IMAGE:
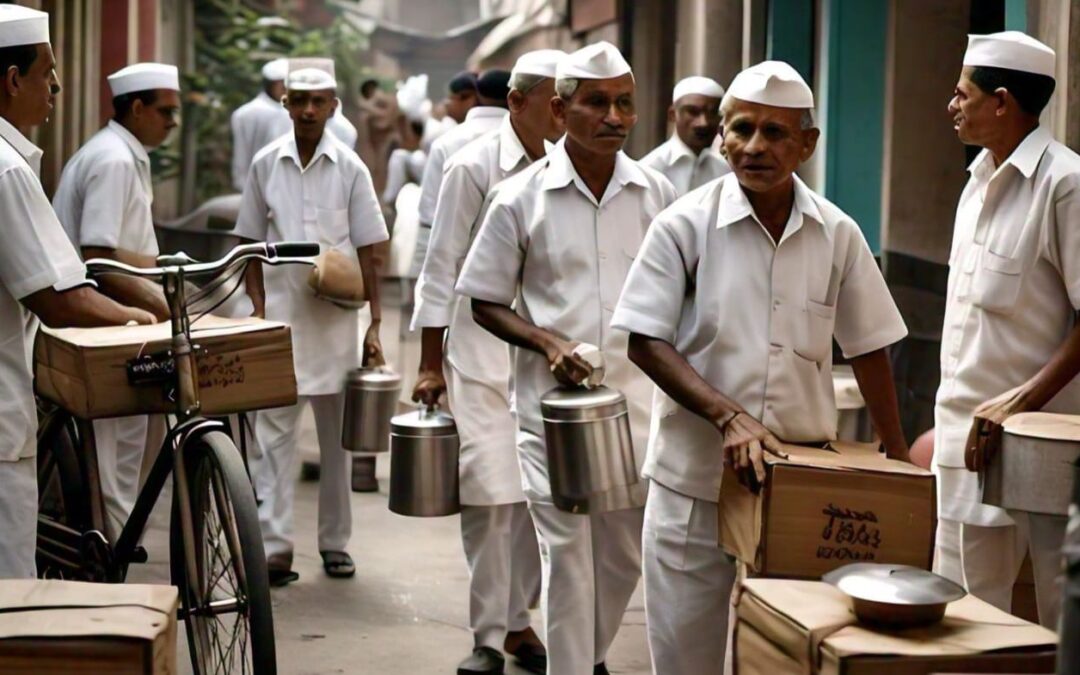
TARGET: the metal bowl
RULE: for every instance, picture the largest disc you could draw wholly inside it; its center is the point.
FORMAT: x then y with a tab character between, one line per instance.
895	596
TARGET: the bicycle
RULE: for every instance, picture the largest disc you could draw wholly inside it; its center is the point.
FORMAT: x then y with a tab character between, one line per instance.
216	555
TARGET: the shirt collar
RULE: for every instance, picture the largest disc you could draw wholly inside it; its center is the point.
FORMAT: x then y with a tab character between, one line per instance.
734	206
29	152
1025	158
680	149
485	112
561	172
511	150
325	148
137	148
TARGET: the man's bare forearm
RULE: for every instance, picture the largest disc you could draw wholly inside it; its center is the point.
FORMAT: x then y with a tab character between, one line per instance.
431	348
81	307
120	255
1060	370
671	372
370	273
505	324
873	372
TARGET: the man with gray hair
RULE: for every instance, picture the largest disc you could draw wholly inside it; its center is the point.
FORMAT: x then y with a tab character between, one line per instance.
496	529
557	243
732	306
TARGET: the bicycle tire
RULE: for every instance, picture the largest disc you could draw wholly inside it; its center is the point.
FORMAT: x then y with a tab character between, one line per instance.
58	459
220	491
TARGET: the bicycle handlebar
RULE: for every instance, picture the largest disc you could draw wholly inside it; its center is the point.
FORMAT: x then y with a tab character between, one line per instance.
281	253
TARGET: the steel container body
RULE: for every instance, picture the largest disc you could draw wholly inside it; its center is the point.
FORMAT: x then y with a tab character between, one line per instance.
371	396
424	464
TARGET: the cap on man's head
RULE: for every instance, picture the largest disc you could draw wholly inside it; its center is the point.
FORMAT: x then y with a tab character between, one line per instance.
772	83
311	74
541	62
598	61
1012	50
494	85
275	70
22	26
144	77
696	84
463	81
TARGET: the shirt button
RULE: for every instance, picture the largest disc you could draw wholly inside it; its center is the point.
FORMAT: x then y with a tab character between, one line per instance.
602	256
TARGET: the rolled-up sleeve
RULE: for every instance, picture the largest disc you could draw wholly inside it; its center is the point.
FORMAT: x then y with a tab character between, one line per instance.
1064	236
867	318
366	223
493	266
461	200
652	298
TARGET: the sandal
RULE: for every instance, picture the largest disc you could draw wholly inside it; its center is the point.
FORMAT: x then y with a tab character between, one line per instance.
279	570
338	564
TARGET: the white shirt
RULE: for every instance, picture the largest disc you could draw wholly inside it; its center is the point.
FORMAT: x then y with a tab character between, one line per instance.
1014	283
341	127
478	121
754	318
547	243
35	255
683	168
331	201
105	193
254	125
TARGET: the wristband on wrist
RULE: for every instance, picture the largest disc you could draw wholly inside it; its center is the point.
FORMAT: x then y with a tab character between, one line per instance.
724	420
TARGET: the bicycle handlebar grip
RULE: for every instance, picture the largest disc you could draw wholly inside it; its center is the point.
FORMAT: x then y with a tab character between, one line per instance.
293	249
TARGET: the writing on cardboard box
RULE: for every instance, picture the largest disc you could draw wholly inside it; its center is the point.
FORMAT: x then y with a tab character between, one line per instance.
849	535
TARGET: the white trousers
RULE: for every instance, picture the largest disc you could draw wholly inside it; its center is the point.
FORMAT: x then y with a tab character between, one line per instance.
18	518
120	444
591	565
988	559
276	474
504	570
688	582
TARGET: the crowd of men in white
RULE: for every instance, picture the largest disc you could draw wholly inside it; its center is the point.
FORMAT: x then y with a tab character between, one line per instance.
712	280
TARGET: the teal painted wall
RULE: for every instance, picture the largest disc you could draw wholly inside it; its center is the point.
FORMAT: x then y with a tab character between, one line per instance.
790	35
856	109
1016	15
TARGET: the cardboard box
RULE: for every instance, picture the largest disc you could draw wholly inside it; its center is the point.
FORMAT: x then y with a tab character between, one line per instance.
808	628
1032	470
244	364
824	508
53	627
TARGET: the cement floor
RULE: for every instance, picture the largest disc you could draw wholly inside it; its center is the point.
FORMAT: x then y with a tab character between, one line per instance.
405	612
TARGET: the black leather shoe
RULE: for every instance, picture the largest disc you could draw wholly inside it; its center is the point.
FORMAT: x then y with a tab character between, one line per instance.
600	669
482	661
363	475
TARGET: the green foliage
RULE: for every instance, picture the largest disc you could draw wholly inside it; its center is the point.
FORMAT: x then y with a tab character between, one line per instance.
232	43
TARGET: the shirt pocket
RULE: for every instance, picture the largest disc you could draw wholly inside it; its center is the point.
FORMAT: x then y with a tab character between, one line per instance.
332	229
997	283
814	339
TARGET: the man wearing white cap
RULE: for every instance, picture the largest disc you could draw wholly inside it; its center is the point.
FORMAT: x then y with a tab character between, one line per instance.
41	275
1010	342
558	239
259	121
732	307
496	528
308	185
492	89
688	158
103	202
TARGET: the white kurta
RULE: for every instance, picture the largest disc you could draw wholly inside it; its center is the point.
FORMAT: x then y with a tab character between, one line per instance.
1014	284
331	201
104	199
754	318
479	121
549	244
35	255
254	126
480	361
685	169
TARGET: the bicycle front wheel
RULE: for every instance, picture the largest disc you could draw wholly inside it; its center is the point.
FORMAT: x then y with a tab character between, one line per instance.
222	577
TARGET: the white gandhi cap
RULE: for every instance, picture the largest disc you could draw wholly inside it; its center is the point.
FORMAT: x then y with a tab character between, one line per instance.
598	61
696	84
275	70
144	77
311	75
22	26
542	62
1013	50
772	83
